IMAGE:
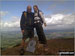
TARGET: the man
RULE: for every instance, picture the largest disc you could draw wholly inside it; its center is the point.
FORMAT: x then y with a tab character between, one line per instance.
38	22
26	24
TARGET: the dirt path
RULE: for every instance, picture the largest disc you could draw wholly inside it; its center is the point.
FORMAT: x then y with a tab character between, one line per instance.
54	45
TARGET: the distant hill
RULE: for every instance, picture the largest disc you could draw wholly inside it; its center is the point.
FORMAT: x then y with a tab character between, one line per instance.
60	30
46	31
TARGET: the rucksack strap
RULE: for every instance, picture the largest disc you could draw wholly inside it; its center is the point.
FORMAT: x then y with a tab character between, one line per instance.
25	14
40	16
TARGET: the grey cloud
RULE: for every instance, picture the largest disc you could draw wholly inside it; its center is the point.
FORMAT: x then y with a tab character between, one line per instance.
66	22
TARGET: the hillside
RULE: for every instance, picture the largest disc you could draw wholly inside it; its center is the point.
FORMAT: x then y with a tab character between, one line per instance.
54	45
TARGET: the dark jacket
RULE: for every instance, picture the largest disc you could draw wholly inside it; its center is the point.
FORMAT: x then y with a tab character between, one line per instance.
27	20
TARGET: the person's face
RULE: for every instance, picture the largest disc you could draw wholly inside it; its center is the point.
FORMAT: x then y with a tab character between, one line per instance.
35	9
29	9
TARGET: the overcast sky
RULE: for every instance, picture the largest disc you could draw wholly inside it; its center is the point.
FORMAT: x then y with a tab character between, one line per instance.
58	14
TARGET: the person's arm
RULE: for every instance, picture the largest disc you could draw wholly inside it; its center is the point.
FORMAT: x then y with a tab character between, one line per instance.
21	23
42	16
